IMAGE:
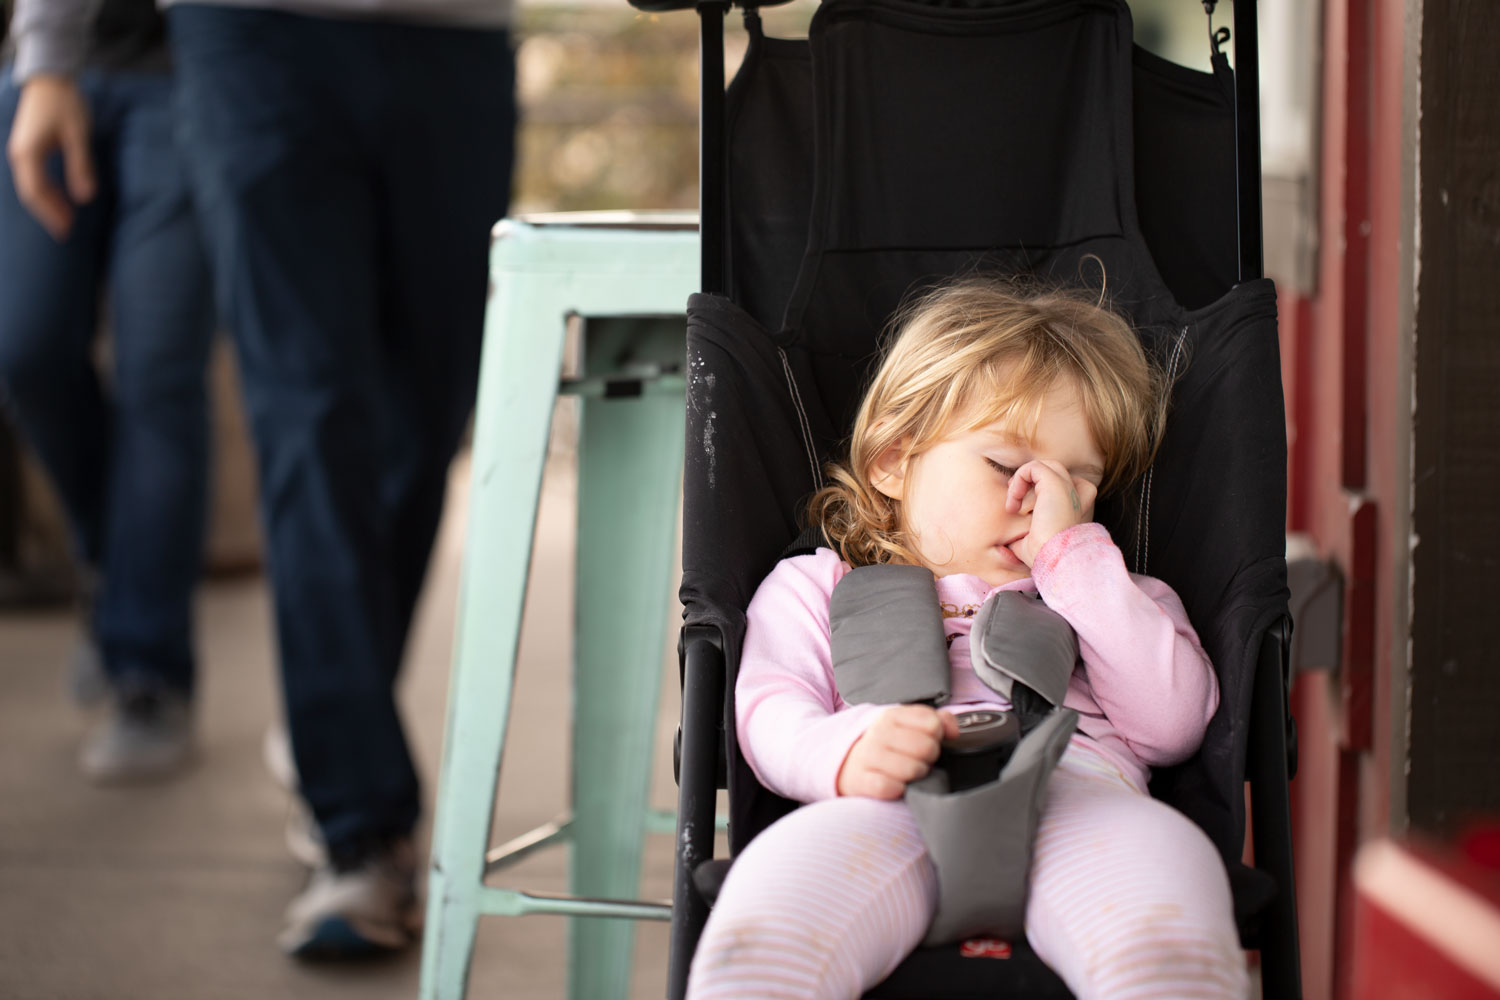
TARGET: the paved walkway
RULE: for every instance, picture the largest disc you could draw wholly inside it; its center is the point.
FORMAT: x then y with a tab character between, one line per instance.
175	892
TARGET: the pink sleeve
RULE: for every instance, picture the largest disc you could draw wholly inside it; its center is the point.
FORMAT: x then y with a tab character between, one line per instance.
793	728
1143	661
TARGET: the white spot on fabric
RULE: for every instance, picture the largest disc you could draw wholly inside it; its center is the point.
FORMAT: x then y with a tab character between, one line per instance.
708	446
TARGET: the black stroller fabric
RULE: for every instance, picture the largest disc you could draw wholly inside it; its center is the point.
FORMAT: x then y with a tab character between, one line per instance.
1016	138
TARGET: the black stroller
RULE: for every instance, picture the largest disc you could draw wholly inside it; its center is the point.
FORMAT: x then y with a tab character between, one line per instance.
905	141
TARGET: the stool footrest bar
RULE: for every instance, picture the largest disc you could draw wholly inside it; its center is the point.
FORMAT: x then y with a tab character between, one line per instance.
502	856
513	903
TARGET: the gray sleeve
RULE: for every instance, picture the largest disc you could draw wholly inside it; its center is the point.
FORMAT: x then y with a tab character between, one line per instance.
51	36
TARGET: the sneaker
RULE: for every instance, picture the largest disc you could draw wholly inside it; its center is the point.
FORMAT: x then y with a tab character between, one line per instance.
304	838
87	683
147	735
367	909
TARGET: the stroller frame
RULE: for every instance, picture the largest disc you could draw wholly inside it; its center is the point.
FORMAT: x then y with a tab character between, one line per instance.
701	750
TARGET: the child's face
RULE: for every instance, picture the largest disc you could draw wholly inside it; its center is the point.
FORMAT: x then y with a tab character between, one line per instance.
953	496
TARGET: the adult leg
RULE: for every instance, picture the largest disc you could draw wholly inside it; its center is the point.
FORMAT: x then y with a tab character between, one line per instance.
162	324
823	904
48	317
447	135
269	107
1129	899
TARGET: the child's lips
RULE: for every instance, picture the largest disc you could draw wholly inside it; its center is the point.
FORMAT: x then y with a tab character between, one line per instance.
1008	554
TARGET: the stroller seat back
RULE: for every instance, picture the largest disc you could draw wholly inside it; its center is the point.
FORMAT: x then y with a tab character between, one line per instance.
956	139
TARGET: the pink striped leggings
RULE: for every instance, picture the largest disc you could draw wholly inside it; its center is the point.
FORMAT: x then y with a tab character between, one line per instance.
1128	899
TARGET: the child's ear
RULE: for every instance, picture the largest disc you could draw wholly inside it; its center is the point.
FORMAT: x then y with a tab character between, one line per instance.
888	471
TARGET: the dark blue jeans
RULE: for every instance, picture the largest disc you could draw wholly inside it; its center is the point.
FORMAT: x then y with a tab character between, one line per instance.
348	174
129	454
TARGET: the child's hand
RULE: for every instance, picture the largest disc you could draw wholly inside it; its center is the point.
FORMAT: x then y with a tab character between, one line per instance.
898	748
1058	501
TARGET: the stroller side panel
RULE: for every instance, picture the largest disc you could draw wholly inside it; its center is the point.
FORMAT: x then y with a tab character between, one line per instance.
1185	175
769	106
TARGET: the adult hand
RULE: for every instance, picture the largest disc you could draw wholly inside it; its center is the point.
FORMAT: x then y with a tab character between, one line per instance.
51	115
1058	501
897	749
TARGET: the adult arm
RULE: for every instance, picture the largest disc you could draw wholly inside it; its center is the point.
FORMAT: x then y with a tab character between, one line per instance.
51	37
1144	664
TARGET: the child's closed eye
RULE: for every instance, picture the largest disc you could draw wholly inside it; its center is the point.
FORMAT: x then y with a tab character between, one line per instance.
1005	470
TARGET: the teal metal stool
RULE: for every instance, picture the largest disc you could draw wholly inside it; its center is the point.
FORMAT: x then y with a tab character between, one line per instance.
629	277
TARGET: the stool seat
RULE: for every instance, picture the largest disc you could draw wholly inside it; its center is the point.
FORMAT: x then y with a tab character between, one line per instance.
627	276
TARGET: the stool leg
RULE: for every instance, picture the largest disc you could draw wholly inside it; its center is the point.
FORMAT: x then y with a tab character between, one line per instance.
517	389
630	474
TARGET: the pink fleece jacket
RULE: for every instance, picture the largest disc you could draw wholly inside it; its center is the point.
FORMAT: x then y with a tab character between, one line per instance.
1144	691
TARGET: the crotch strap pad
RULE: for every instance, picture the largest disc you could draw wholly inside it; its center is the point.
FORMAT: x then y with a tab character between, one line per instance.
980	839
888	646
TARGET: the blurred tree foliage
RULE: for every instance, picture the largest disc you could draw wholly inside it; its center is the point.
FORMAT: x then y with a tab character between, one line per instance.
609	103
609	109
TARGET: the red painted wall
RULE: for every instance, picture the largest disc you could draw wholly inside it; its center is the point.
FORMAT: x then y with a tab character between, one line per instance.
1342	356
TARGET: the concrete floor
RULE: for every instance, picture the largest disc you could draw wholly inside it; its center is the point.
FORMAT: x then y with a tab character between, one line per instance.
176	890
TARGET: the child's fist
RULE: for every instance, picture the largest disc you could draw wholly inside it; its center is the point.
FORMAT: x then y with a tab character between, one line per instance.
897	749
1057	502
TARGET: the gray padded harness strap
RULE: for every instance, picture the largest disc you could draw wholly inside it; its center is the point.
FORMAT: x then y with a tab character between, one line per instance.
884	615
1016	637
888	646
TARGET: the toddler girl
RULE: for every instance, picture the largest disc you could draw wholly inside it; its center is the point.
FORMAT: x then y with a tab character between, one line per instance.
993	422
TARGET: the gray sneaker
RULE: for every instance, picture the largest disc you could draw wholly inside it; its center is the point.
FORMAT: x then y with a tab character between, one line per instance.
87	683
147	735
364	910
303	837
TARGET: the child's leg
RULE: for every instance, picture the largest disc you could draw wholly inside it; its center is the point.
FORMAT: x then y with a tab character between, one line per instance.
824	903
1129	898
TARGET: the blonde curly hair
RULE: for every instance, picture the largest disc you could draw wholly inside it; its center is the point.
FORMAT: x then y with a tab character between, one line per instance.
978	350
